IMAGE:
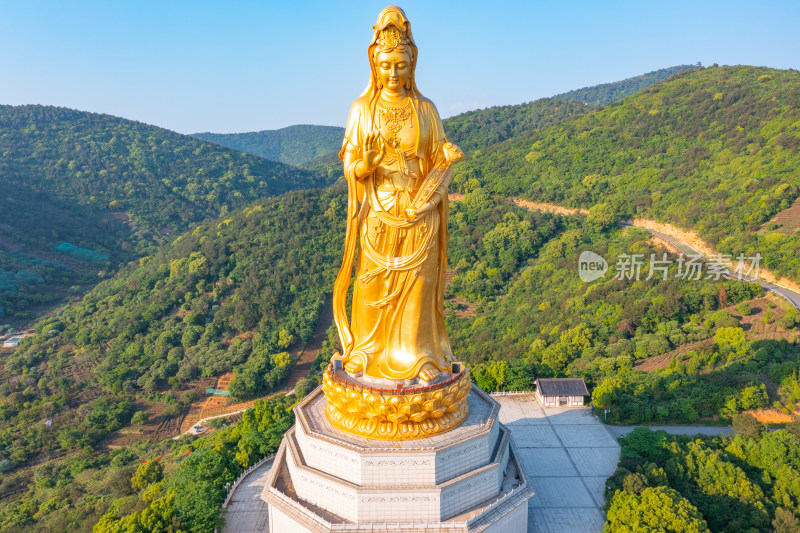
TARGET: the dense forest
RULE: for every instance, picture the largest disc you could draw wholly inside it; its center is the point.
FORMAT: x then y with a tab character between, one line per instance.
749	482
172	486
715	150
84	192
292	145
233	293
605	93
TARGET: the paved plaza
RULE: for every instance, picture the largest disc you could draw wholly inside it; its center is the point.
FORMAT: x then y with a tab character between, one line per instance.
568	454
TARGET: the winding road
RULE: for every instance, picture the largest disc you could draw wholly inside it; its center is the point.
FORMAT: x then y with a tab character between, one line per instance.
791	295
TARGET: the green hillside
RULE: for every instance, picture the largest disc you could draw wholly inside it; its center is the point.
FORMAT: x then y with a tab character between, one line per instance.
292	145
233	293
606	93
478	129
236	292
165	487
533	316
82	193
714	150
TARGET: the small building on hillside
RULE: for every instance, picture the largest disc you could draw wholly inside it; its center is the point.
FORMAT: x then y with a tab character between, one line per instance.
12	342
561	391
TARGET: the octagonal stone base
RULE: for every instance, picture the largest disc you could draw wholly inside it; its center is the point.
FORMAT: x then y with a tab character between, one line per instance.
468	479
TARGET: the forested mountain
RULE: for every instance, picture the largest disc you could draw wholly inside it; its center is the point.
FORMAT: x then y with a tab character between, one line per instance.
292	145
233	292
83	192
715	150
478	129
606	93
536	317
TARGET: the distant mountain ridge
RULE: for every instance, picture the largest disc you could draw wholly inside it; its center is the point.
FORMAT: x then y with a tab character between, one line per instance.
310	146
112	186
605	93
292	145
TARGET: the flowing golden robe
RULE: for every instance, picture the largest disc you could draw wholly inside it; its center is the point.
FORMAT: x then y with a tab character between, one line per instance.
397	309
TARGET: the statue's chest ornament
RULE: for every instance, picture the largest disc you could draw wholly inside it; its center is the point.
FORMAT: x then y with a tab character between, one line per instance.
395	118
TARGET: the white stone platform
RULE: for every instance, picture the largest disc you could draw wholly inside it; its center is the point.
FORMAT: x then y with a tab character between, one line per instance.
468	479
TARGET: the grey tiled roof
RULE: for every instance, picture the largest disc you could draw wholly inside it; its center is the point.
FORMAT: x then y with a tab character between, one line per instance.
562	387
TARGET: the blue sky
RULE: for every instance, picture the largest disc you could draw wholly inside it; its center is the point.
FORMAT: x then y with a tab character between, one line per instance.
230	66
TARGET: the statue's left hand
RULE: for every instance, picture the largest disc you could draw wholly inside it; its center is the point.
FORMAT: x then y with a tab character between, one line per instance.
413	214
453	153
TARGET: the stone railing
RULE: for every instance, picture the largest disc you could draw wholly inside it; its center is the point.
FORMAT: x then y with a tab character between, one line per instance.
243	475
308	513
496	505
395	526
511	392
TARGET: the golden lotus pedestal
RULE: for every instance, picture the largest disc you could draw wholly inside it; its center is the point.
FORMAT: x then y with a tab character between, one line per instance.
400	413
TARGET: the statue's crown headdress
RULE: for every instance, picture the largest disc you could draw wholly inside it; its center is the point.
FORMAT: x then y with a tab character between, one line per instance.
391	38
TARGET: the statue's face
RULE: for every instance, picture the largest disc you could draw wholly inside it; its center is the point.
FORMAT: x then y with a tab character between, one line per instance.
394	69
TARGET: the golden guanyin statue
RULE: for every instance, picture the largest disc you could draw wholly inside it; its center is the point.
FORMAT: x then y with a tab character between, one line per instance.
396	161
397	165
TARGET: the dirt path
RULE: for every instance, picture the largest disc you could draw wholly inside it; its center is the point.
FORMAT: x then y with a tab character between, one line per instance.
209	406
235	410
307	354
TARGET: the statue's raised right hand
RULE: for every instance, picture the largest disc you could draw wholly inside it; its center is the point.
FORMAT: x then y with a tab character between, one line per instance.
373	152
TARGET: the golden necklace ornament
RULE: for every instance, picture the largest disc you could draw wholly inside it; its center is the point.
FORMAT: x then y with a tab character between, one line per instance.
394	118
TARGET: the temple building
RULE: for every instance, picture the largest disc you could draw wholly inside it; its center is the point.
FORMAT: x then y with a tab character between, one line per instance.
561	391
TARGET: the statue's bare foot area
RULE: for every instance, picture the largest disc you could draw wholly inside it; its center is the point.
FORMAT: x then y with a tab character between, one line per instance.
354	365
428	372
